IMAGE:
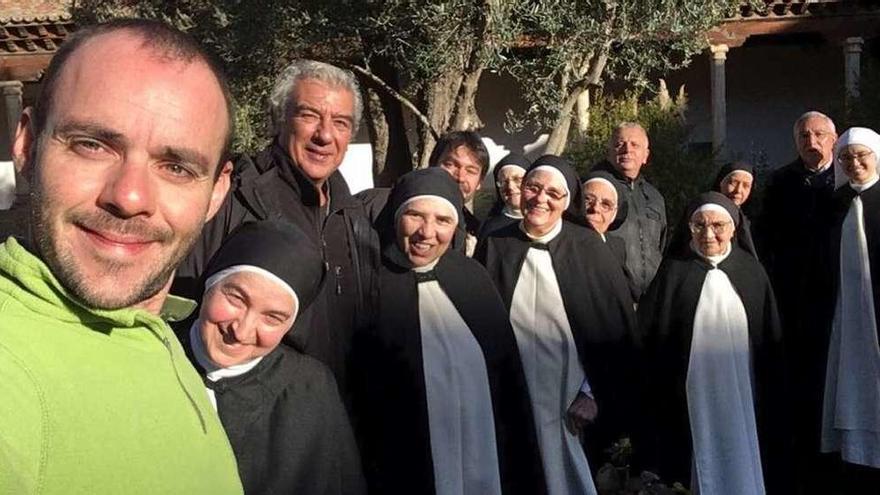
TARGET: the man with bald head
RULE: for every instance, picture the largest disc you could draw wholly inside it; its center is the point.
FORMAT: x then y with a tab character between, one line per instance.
792	244
125	151
644	230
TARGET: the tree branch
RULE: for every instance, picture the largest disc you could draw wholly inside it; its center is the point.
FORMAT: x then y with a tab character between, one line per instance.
397	96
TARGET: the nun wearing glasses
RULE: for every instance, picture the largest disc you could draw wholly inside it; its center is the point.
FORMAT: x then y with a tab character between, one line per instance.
280	408
441	405
714	362
851	411
571	310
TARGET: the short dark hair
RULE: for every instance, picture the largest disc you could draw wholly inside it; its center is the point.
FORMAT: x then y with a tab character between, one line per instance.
165	40
470	140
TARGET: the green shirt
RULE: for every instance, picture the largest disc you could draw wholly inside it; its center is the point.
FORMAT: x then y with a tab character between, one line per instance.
99	401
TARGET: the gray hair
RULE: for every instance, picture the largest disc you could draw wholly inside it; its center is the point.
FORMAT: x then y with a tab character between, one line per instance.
625	125
812	114
298	70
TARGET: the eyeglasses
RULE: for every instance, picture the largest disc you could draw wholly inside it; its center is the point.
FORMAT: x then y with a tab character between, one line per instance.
717	227
851	157
605	205
514	181
535	189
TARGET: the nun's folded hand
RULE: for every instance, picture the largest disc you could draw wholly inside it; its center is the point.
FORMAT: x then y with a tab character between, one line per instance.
582	411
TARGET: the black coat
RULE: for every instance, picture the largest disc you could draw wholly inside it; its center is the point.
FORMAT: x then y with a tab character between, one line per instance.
666	320
494	222
288	428
644	231
598	304
792	239
271	187
391	406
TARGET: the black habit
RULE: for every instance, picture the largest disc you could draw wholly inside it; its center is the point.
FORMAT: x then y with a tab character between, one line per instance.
843	198
288	428
391	405
392	410
666	317
744	228
496	218
598	305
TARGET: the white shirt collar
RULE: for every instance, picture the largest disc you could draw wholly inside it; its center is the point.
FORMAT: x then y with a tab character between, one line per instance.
821	168
861	187
714	260
546	238
511	213
212	371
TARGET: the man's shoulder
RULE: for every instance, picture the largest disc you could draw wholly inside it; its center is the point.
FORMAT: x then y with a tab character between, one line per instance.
374	200
791	171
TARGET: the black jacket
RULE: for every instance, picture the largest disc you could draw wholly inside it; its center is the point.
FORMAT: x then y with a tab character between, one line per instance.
269	186
644	230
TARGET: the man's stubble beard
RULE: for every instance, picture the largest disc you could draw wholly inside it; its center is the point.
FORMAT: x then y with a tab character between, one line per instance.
64	267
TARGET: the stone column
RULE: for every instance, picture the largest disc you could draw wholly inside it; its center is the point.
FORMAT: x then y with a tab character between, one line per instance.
852	52
11	94
11	91
719	96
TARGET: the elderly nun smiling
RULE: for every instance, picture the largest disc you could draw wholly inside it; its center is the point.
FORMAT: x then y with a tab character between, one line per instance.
443	406
281	409
714	362
571	311
851	415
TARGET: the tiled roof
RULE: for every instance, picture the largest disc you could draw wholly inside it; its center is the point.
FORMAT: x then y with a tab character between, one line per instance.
33	11
805	8
32	26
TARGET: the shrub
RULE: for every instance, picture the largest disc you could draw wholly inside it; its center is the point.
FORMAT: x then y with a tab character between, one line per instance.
677	169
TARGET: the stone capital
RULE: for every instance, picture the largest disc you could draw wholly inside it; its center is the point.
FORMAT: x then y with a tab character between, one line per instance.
719	52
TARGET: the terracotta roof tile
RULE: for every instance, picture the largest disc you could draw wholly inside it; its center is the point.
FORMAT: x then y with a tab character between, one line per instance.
33	11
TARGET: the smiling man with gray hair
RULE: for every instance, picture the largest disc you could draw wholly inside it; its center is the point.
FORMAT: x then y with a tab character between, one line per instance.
315	109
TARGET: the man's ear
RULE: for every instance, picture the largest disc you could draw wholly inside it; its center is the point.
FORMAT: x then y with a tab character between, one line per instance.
24	143
221	188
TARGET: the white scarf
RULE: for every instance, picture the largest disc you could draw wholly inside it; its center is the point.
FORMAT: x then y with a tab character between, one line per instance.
719	392
460	419
851	409
554	374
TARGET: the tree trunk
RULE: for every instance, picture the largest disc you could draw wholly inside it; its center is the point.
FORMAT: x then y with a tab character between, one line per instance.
396	159
439	101
559	135
583	112
377	127
465	117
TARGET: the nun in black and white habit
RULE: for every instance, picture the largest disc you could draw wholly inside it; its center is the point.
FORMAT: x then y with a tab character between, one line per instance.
505	210
443	407
281	409
571	311
851	412
715	376
731	181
